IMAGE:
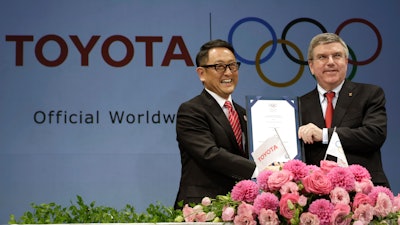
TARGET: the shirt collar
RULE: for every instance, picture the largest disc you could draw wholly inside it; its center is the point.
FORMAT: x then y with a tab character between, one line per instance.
221	101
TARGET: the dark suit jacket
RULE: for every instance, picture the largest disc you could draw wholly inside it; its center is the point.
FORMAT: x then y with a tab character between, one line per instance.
212	161
360	121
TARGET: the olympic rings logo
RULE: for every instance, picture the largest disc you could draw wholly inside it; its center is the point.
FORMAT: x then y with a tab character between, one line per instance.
300	58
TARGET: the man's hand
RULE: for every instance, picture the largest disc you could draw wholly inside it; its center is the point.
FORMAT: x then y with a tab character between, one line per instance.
310	133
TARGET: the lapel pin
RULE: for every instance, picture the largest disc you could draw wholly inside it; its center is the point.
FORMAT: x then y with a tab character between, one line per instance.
350	94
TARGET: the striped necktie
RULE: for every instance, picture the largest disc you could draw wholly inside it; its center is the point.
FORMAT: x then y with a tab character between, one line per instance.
234	121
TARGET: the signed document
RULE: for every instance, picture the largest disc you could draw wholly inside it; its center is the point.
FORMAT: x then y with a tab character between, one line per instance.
272	126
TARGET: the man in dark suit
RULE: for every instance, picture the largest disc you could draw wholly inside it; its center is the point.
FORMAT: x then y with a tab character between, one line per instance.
212	158
359	110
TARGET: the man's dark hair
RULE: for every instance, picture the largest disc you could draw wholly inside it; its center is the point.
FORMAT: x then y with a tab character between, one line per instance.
202	56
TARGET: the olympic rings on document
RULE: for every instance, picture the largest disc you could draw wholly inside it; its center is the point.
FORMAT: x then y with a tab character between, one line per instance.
276	84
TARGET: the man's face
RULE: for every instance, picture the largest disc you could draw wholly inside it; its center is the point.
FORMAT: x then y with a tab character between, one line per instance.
329	65
221	83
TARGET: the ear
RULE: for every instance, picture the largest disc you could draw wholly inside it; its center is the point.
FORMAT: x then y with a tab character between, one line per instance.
310	66
201	73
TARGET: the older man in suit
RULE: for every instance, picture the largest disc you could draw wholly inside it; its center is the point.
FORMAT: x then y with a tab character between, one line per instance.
359	114
214	155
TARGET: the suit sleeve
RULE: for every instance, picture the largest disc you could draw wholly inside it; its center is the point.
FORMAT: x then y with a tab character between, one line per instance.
203	138
365	124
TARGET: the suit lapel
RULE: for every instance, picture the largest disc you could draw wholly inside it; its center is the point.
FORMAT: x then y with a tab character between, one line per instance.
343	102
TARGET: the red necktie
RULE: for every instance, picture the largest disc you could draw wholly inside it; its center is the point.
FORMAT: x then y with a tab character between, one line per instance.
329	108
234	121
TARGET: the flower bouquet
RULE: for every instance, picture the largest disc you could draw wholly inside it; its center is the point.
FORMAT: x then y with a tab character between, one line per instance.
297	193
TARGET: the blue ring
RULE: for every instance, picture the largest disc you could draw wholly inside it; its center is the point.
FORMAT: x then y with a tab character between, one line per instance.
263	22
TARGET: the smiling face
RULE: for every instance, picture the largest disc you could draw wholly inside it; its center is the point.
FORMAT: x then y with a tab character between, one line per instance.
329	64
221	83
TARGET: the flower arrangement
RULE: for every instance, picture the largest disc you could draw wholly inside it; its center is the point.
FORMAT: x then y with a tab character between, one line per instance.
296	193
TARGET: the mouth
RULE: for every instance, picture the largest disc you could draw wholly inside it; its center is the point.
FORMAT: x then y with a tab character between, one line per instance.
226	81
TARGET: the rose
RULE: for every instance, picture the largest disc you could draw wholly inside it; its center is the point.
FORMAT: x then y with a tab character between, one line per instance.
228	214
317	183
286	205
278	179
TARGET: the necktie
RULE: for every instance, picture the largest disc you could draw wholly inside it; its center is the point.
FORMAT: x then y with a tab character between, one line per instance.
329	108
234	121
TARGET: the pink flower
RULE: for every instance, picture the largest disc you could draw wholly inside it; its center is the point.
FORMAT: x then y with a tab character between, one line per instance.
323	209
279	178
245	190
286	205
376	190
268	217
312	168
361	198
317	183
383	205
201	217
340	214
327	165
244	220
262	180
339	195
308	218
245	208
188	213
396	203
245	215
364	186
359	172
266	200
297	167
206	201
363	213
228	214
342	177
302	200
289	187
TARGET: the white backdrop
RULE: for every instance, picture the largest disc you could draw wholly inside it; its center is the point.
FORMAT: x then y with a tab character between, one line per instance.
93	58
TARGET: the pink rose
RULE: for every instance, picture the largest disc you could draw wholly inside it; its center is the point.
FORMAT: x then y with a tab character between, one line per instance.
383	205
286	205
268	217
308	218
277	179
228	214
364	213
360	199
188	213
327	165
340	215
289	187
396	203
339	195
317	183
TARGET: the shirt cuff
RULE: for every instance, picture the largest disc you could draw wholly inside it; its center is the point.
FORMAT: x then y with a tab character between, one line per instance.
325	138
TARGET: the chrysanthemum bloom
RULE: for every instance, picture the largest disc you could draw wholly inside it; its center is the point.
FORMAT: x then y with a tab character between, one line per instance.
279	178
317	183
297	167
245	190
308	218
376	190
266	200
323	209
359	172
339	195
262	180
268	217
342	177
